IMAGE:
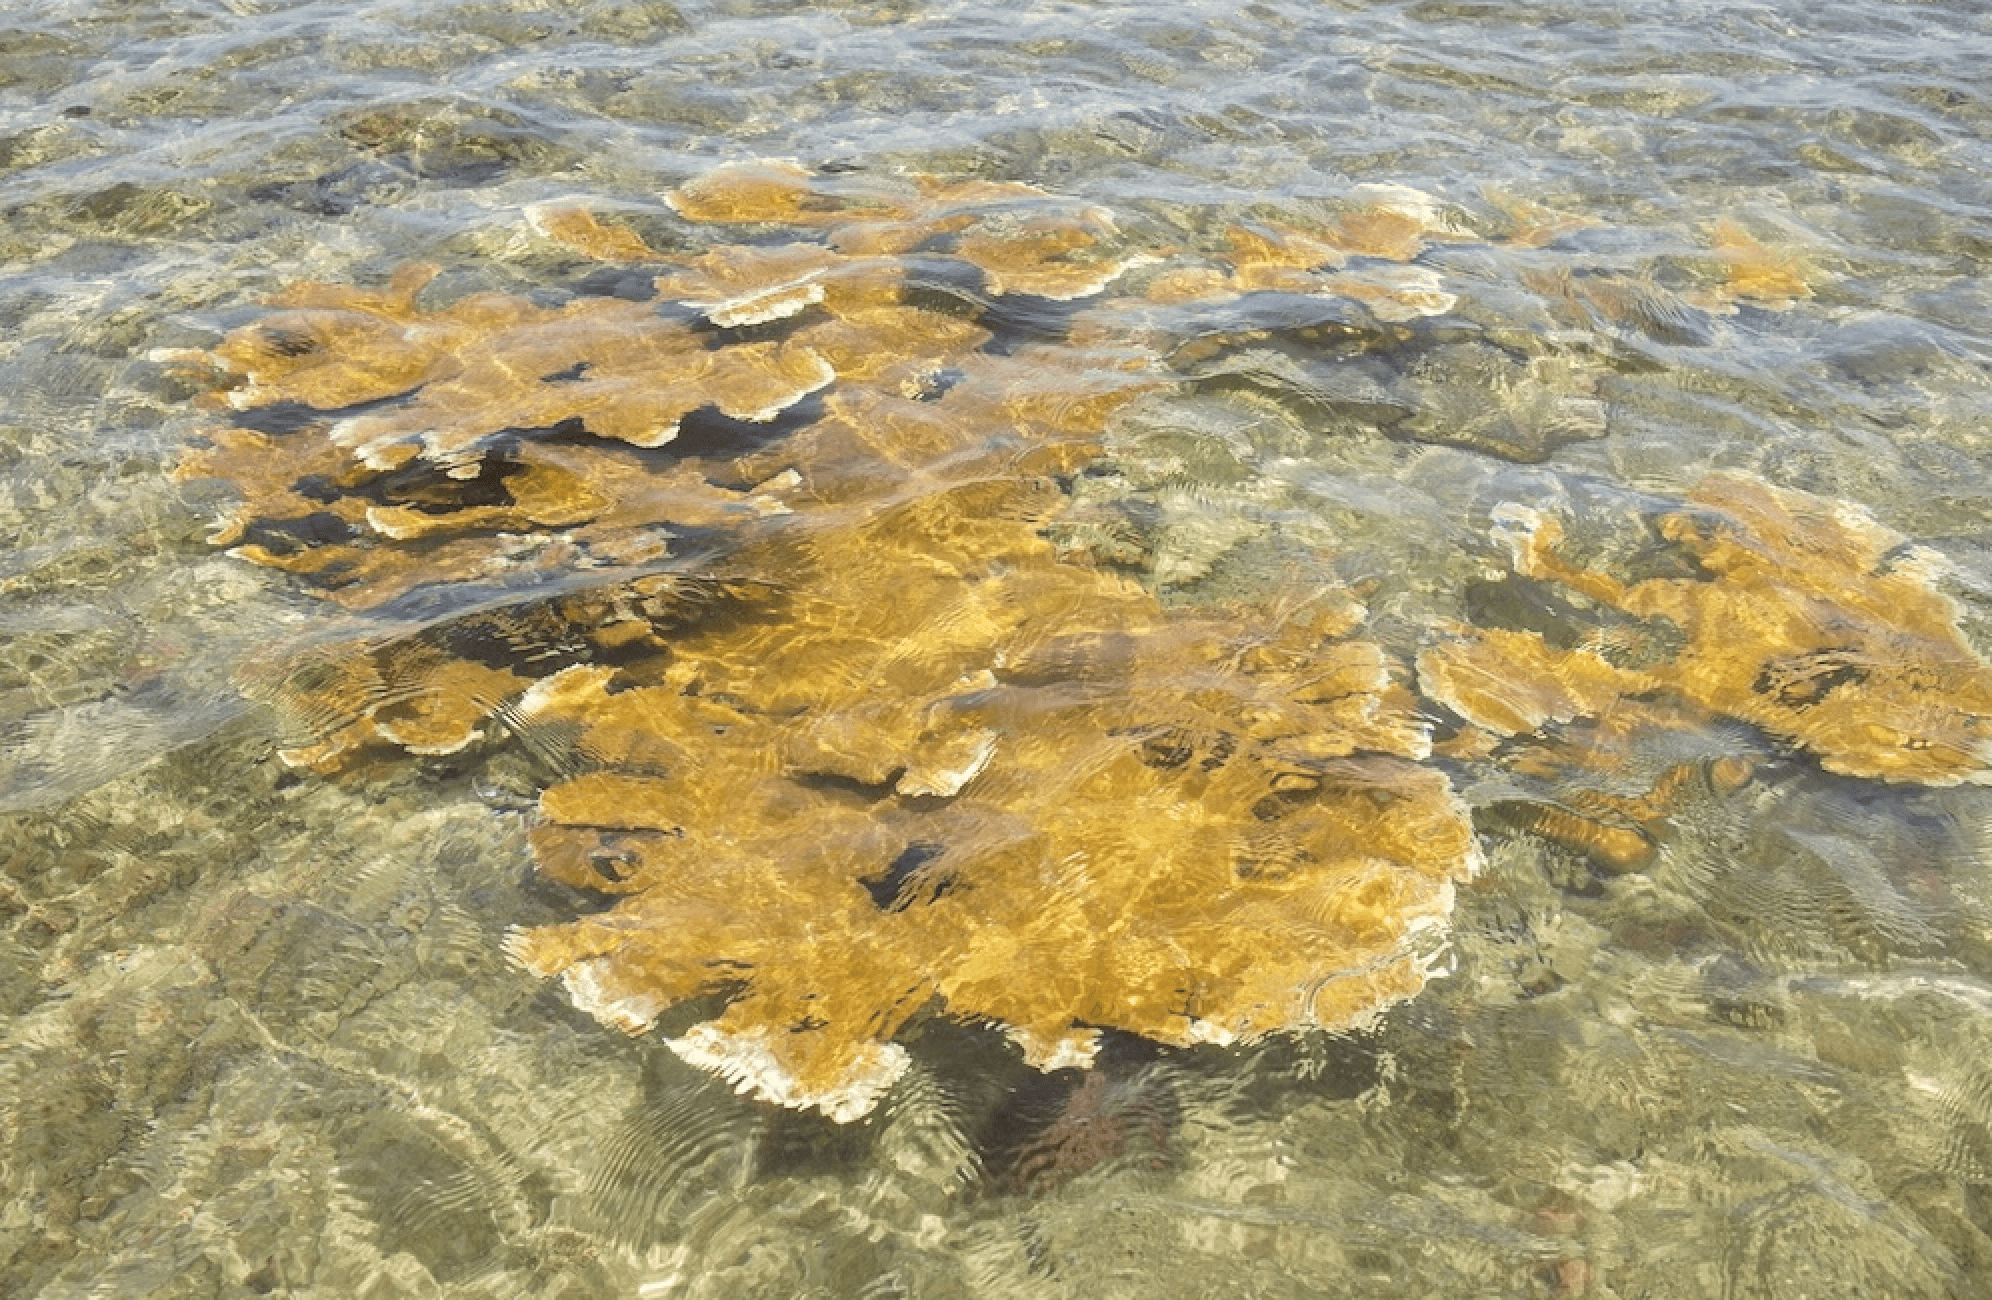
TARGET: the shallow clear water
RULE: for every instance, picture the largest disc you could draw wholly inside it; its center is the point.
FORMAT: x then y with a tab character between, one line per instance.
261	1037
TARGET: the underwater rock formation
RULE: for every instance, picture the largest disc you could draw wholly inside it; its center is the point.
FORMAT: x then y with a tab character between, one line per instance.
856	719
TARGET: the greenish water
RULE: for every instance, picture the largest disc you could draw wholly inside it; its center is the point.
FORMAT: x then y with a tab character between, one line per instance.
261	1038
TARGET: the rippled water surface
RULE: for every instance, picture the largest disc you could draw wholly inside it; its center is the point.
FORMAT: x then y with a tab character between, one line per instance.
261	1035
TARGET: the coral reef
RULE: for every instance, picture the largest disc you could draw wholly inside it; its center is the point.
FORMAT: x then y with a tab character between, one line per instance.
855	717
844	732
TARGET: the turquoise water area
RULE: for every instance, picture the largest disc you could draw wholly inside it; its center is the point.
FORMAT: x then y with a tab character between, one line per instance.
260	1035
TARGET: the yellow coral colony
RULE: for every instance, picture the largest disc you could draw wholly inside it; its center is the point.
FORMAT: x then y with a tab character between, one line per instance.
844	734
1809	620
849	739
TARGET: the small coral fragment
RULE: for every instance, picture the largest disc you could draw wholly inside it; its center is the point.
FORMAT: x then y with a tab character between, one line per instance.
1054	257
413	694
613	367
1515	682
732	287
1265	254
1531	225
757	191
761	1061
897	348
1756	272
1398	293
579	229
1618	833
335	347
1389	221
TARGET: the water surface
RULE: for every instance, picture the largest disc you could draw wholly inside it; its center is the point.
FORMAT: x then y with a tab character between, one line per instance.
262	1038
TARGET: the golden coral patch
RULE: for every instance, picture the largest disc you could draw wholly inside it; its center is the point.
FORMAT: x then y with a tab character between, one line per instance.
1013	786
1808	620
613	367
1754	271
1394	222
751	286
1055	808
878	748
898	348
1530	224
763	573
338	347
776	192
1060	258
581	230
1513	682
1264	253
492	363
